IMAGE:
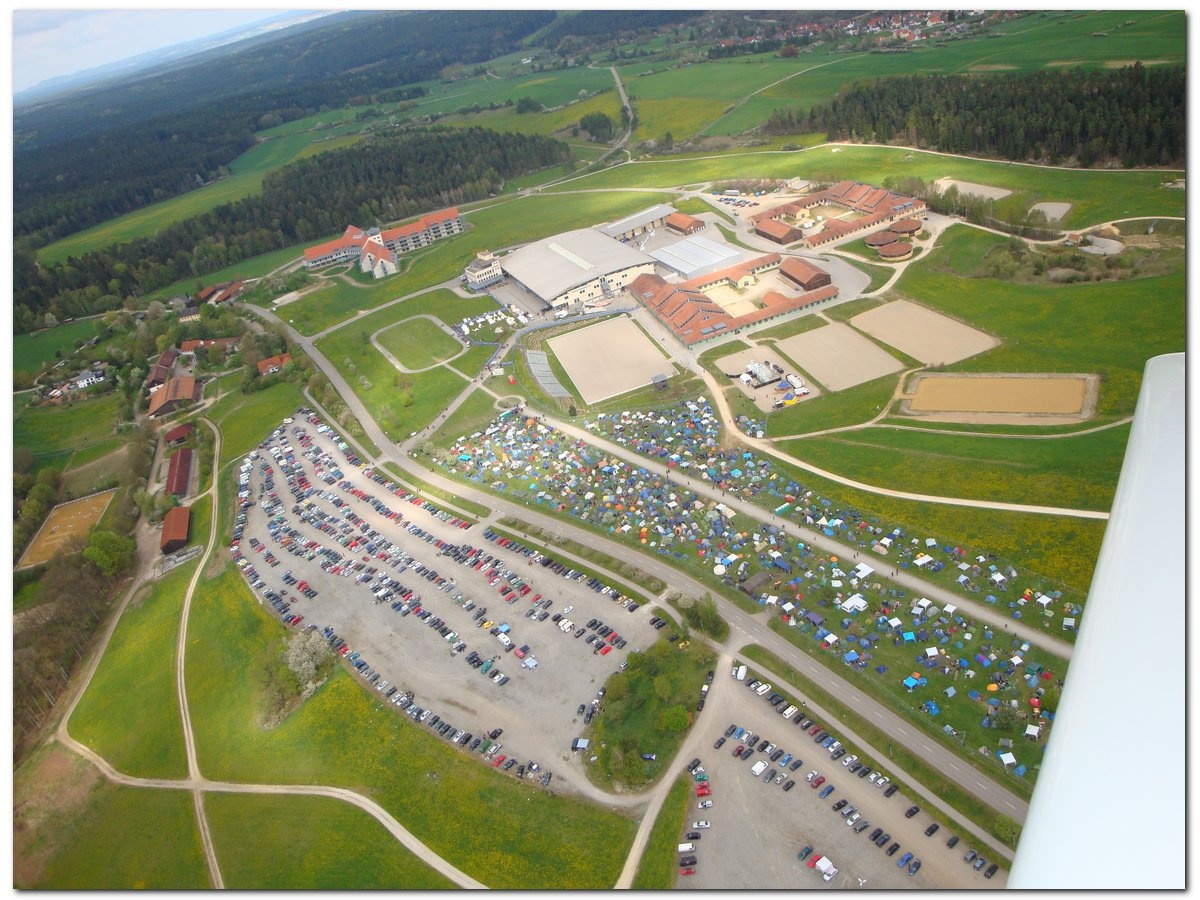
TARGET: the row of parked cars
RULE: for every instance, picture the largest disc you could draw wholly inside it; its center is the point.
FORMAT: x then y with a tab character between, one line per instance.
687	863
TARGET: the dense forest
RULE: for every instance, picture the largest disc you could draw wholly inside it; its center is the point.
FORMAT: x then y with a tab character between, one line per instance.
1133	116
392	176
100	153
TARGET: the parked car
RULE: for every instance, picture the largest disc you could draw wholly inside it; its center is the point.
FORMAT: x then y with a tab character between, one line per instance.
891	790
839	804
932	829
874	834
817	782
825	791
882	839
702	824
719	743
979	863
811	775
687	871
805	853
704	804
904	860
911	811
991	870
891	851
914	866
953	841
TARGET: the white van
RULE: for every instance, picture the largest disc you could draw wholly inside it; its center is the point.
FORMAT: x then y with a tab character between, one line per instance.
759	767
686	848
741	673
762	688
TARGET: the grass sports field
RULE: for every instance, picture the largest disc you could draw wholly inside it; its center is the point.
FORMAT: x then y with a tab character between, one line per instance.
344	736
418	343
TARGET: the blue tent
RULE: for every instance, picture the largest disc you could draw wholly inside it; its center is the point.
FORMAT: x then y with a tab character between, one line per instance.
910	682
950	692
881	669
909	637
850	656
1019	770
992	701
930	707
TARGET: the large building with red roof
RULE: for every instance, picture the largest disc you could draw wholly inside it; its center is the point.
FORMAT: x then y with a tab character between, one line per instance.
175	531
217	294
175	394
376	251
273	364
161	370
871	206
179	472
693	317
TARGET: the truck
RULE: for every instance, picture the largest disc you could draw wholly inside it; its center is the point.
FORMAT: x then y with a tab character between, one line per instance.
825	867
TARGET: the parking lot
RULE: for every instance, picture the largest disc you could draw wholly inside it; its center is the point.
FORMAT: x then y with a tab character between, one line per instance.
314	516
757	829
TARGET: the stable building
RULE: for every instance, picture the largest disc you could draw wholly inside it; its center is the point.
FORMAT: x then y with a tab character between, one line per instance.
897	251
179	473
682	223
176	528
779	232
179	434
161	370
638	224
804	274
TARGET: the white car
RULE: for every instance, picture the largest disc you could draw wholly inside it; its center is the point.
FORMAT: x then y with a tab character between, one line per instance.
759	767
567	610
704	804
882	781
702	824
847	761
811	775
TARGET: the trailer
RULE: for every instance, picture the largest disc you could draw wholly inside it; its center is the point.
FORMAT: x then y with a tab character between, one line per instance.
825	867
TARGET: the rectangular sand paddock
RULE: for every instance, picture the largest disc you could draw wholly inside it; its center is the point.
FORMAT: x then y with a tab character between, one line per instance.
65	521
610	358
839	357
923	334
999	394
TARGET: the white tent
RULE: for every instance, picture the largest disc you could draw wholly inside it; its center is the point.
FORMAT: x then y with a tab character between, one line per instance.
853	604
1008	759
1032	731
831	639
930	542
998	578
931	652
1043	601
949	609
922	560
895	623
862	570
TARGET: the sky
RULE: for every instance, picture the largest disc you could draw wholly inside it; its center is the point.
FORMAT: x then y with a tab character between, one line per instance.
50	42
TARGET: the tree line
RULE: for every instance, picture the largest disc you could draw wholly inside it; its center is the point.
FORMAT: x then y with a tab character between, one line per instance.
95	154
1133	116
392	176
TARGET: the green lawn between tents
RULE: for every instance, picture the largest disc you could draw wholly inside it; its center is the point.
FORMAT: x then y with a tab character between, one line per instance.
344	736
129	839
297	843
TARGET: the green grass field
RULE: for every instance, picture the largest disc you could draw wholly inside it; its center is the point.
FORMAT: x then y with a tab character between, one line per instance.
49	429
97	450
255	267
657	870
130	713
245	419
344	736
418	343
129	839
33	352
296	843
476	412
1076	471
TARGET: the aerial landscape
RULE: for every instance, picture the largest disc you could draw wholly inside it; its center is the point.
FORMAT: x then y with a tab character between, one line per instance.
779	365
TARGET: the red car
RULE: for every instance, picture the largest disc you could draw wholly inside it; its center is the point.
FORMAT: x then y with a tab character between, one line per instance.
703	790
817	782
812	863
605	649
499	759
687	871
737	751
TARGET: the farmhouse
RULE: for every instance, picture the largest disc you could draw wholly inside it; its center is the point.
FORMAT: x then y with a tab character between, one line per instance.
228	344
161	370
857	206
375	251
175	394
179	473
273	364
217	294
580	265
176	526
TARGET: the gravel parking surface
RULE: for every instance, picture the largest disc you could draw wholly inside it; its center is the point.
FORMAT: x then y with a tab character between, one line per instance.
758	829
536	708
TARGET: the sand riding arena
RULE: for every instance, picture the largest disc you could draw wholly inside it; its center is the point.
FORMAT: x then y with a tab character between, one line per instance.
991	399
67	520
